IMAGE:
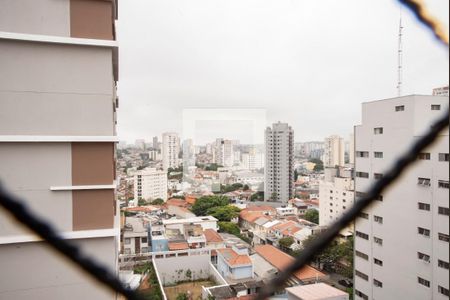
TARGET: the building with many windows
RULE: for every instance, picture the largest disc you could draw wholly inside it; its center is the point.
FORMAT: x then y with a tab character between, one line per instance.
170	149
402	241
57	142
279	166
150	184
334	151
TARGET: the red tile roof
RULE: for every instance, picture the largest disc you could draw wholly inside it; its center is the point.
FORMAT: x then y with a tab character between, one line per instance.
234	259
212	236
281	260
250	216
178	246
177	202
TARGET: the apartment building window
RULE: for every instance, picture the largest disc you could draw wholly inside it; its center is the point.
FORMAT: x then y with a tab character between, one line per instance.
127	251
378	241
144	249
442	290
361	295
127	241
362	255
443	184
444	157
362	235
423	281
378	154
443	264
362	174
435	107
443	211
361	275
423	231
424	156
362	154
378	219
377	175
377	261
377	283
443	237
424	206
378	130
424	181
364	215
423	256
400	108
144	240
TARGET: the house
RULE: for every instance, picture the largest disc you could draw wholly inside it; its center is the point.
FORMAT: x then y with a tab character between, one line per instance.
280	260
213	241
134	236
234	264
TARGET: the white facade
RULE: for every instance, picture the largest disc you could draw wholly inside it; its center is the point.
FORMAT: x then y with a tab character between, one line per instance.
223	152
170	150
402	242
334	154
336	195
253	160
279	166
150	184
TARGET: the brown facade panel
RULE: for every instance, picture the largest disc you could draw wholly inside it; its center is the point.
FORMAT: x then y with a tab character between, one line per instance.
92	163
92	209
92	19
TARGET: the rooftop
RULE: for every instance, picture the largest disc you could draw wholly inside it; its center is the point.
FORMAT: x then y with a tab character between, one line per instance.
316	291
234	259
212	236
281	260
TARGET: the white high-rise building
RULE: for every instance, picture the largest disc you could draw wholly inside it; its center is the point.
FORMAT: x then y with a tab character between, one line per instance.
279	166
334	154
253	160
223	152
170	150
351	150
402	241
336	195
150	184
441	91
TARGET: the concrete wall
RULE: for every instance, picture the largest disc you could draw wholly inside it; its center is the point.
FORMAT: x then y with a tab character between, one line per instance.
46	274
173	269
46	17
28	170
55	90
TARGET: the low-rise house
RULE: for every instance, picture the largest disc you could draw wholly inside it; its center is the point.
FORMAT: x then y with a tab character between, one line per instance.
280	260
207	222
286	211
234	264
158	239
134	236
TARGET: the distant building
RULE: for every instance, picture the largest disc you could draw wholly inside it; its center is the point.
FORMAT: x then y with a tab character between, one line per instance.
150	184
402	240
336	195
170	150
334	153
279	166
253	160
441	91
140	144
223	152
155	143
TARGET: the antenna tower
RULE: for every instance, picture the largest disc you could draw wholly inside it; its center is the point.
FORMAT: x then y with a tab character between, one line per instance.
400	58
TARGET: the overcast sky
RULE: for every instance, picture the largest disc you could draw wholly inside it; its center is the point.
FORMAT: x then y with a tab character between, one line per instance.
308	63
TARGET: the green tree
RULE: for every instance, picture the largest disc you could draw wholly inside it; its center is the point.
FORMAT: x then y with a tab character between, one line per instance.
229	227
319	164
258	196
201	206
212	167
224	213
245	187
295	175
157	201
312	215
182	296
286	242
142	202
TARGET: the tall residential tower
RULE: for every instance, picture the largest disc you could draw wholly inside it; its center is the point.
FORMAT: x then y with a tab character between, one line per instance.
170	150
279	166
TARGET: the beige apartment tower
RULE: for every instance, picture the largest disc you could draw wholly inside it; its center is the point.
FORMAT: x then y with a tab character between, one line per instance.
58	100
